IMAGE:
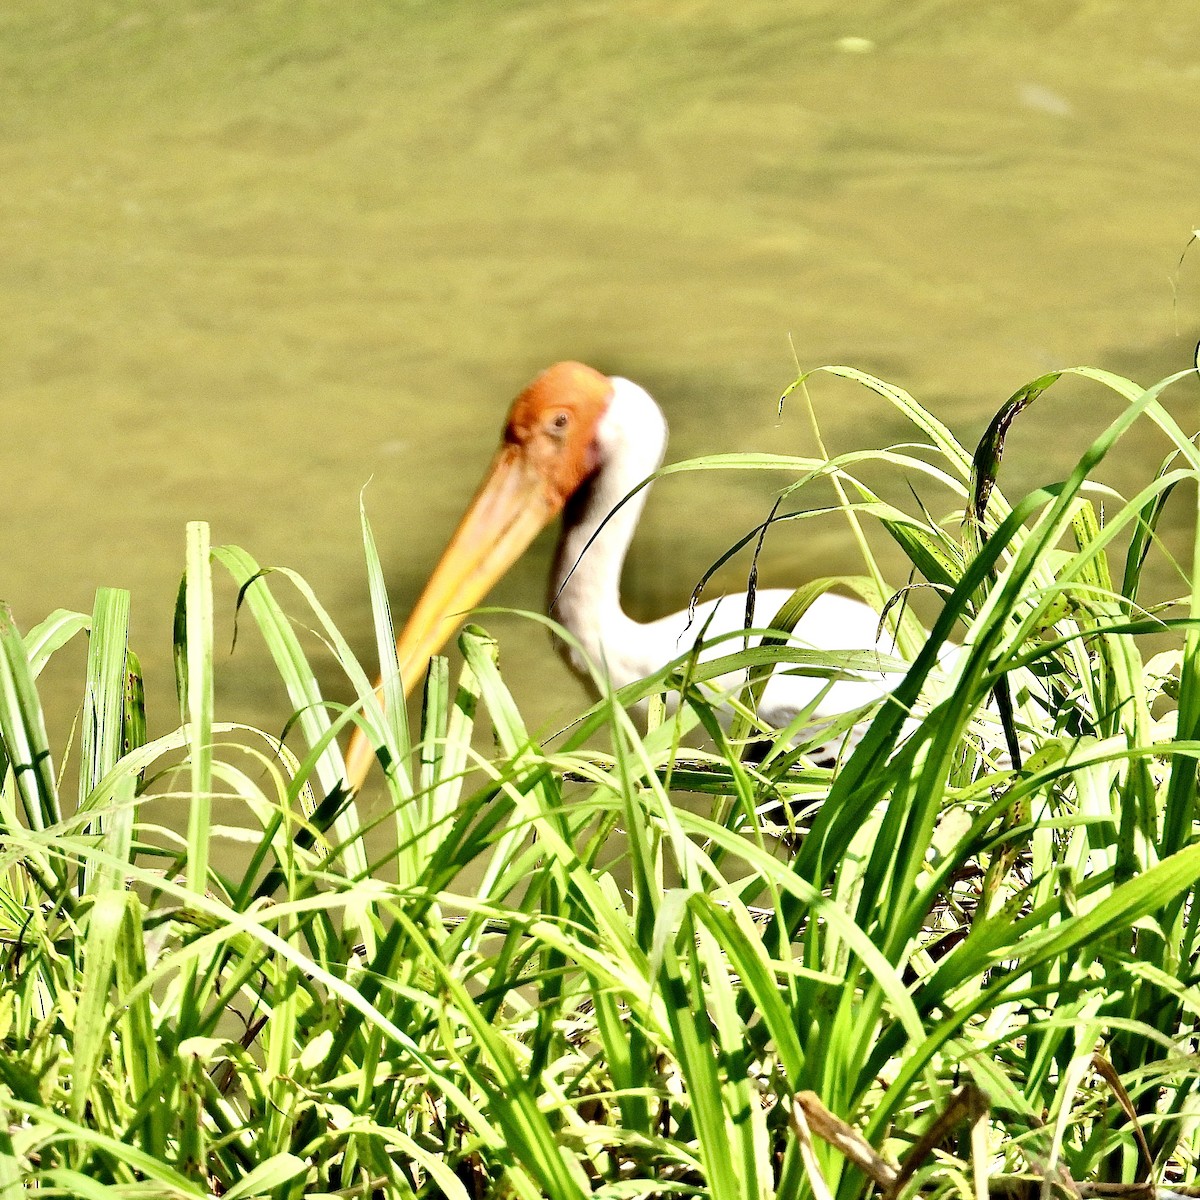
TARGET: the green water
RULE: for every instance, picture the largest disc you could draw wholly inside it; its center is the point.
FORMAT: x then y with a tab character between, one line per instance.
253	255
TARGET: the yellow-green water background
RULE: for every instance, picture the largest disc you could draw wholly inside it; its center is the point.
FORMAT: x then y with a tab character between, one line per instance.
254	254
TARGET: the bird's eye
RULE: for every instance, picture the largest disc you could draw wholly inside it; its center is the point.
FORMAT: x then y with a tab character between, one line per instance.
560	422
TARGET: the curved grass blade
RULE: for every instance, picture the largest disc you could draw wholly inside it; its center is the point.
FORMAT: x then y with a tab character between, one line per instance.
23	730
303	692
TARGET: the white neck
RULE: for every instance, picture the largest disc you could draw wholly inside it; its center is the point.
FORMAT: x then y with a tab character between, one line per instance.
585	585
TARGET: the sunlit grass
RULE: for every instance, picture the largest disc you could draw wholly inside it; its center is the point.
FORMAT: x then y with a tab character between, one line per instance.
604	964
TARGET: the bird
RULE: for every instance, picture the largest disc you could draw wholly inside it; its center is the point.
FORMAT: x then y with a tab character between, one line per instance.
579	442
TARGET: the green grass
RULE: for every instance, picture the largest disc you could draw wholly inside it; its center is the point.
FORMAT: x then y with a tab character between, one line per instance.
604	964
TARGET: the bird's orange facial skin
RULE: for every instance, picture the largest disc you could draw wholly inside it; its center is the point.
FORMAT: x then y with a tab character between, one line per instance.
554	421
549	450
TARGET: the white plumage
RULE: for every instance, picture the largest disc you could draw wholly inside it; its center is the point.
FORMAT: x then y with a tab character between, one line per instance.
631	439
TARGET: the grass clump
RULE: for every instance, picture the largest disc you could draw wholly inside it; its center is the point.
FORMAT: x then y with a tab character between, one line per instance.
969	968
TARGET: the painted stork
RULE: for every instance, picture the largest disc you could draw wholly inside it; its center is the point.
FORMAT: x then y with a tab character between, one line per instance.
577	442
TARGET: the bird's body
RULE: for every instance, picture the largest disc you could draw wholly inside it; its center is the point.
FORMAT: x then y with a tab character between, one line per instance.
578	442
585	584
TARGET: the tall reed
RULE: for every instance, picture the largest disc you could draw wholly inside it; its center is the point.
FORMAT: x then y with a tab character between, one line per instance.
961	961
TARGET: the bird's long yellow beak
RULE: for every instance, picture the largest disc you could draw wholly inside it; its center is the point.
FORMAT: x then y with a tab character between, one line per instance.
513	505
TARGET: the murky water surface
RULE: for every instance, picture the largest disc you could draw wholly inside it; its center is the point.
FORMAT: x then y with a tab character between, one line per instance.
255	255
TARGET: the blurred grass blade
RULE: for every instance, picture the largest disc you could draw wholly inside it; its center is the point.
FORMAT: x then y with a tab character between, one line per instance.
23	729
51	635
104	731
395	707
985	465
267	1177
104	703
198	655
303	692
104	921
